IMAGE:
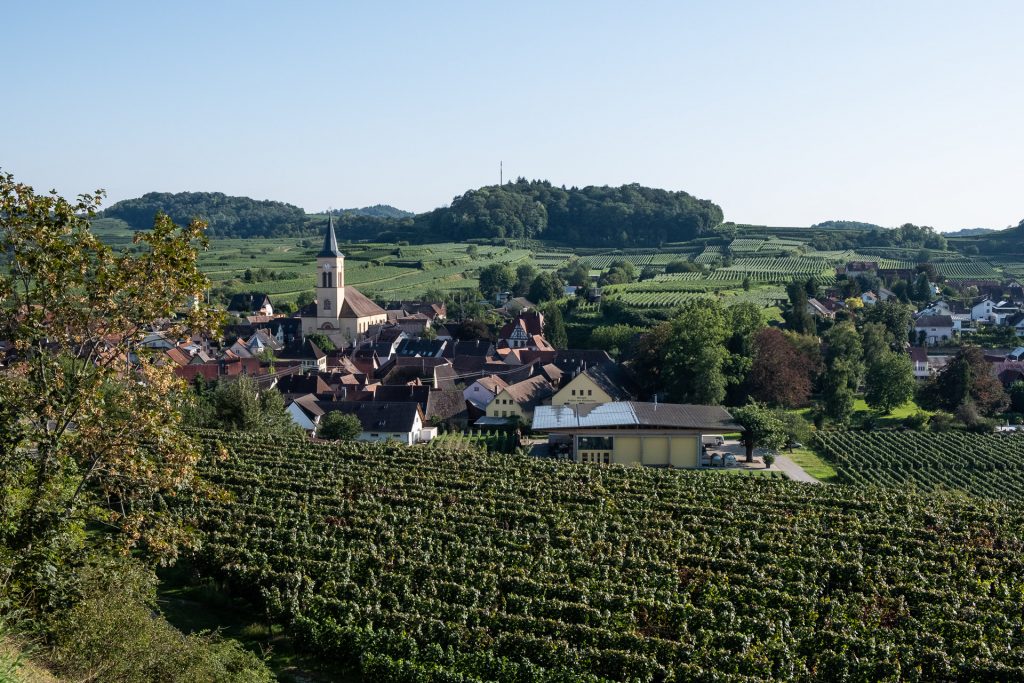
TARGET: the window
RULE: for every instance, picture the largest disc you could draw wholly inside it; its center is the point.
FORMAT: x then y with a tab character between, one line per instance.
590	392
327	304
597	443
573	392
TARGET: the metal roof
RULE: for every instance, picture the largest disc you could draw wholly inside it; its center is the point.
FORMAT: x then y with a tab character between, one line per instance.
632	414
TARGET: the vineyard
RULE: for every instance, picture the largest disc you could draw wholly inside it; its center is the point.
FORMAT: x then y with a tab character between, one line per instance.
492	442
982	464
435	564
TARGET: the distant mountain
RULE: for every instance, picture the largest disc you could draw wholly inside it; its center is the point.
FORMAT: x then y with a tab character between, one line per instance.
846	225
375	211
969	232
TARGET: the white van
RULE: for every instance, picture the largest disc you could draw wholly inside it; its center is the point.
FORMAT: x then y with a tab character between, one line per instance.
712	440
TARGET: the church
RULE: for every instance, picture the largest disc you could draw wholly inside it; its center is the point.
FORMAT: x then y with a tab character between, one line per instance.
341	313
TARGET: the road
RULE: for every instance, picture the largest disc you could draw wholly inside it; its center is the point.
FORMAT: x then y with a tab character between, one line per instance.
792	470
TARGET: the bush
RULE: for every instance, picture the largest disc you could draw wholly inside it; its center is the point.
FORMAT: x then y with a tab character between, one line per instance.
916	421
769	459
114	633
941	422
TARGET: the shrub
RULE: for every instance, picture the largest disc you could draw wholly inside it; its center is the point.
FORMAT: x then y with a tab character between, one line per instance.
769	459
916	421
941	422
114	633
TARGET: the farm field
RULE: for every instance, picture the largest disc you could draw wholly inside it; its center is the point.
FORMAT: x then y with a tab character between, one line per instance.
980	464
436	564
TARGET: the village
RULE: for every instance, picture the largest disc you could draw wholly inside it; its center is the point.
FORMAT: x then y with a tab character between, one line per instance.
408	373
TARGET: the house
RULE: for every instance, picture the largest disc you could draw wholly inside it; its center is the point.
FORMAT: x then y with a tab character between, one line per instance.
401	422
305	354
632	433
248	303
604	383
934	329
519	400
995	312
819	310
919	359
521	331
886	294
481	392
869	298
421	348
343	314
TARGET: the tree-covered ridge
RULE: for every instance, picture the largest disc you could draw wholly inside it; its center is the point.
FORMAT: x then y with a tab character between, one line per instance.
227	216
626	215
375	211
847	225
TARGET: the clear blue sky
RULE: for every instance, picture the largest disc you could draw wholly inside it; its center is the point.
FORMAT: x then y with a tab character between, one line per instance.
785	113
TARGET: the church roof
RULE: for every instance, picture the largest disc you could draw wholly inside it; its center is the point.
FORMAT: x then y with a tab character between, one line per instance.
330	241
356	305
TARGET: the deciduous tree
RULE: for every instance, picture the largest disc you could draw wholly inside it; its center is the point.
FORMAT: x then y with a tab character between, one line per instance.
762	428
890	381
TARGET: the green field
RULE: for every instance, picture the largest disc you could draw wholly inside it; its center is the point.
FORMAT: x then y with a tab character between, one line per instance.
980	464
434	564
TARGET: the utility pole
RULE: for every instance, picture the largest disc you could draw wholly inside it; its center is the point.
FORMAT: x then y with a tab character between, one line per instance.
501	173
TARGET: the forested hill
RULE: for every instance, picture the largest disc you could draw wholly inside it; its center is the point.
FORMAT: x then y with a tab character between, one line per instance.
630	215
227	216
612	216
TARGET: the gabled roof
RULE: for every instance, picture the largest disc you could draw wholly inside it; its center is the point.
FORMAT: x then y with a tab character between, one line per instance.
529	392
330	247
378	416
427	348
356	305
634	414
248	301
613	380
404	393
918	354
934	321
492	383
304	351
445	404
178	356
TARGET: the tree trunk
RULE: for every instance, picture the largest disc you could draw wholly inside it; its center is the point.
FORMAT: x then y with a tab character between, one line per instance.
750	450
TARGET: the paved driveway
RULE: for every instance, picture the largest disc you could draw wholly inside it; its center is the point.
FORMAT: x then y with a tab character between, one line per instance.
792	470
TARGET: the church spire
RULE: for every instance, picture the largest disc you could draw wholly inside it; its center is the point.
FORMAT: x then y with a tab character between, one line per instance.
330	241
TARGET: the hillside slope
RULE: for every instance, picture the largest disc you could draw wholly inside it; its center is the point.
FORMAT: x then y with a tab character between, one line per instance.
430	564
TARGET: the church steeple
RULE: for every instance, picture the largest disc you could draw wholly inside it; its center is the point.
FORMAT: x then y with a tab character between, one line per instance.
330	249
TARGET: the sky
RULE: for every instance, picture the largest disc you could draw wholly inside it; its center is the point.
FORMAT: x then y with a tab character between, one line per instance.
783	113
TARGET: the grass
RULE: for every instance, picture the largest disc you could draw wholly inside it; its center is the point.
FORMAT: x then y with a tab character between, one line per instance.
193	606
812	463
893	419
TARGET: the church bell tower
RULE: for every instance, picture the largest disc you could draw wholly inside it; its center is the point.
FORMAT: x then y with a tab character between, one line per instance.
330	276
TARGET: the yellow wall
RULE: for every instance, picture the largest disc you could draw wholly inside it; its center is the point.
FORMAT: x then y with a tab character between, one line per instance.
675	450
683	451
504	406
586	390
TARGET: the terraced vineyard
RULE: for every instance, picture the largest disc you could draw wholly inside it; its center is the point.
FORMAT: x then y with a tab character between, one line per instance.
967	269
433	564
981	464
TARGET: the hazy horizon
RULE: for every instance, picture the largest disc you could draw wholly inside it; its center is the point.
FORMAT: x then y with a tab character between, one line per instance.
783	114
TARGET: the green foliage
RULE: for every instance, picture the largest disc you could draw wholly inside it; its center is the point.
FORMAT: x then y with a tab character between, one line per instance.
968	377
694	355
113	634
983	464
495	278
890	381
339	426
619	216
762	428
554	325
79	429
322	341
227	216
615	339
545	287
488	567
240	405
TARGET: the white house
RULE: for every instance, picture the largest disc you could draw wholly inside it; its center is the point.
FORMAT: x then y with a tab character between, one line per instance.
994	312
400	421
919	357
869	298
937	329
